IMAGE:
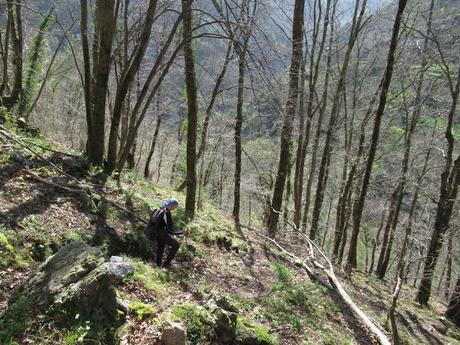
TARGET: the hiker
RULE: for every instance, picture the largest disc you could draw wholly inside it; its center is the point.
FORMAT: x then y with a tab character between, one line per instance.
161	221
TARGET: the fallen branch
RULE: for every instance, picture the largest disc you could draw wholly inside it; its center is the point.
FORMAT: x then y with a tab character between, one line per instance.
11	136
336	285
53	184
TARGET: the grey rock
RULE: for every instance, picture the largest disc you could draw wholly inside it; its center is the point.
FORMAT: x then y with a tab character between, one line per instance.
174	334
225	326
76	279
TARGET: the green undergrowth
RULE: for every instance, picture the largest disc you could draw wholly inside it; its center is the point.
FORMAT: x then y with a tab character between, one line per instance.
50	326
158	281
262	334
199	325
12	250
198	322
304	305
141	310
209	226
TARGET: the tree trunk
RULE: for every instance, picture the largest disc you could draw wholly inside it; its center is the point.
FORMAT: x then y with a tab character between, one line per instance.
127	77
238	125
104	28
15	16
358	15
192	108
376	241
5	88
359	206
140	107
87	74
287	194
152	146
286	131
312	82
450	179
449	265
453	310
299	163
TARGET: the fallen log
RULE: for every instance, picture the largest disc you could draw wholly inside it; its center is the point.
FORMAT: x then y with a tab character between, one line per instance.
328	269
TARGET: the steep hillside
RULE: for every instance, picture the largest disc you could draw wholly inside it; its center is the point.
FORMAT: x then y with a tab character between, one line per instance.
42	208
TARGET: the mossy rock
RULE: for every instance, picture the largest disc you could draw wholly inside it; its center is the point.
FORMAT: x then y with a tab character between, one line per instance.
251	334
76	283
199	322
142	310
6	251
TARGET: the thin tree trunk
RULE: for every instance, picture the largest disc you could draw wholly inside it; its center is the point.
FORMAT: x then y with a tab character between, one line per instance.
237	138
328	218
152	146
180	135
376	242
358	15
286	131
453	310
312	81
4	88
87	74
192	108
129	72
140	107
450	179
359	206
160	161
449	265
15	14
287	195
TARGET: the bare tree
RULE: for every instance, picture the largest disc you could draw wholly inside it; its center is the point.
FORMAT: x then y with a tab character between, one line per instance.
96	81
450	180
192	108
386	80
286	131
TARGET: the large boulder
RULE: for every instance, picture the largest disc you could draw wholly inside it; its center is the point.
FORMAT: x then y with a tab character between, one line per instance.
174	334
76	280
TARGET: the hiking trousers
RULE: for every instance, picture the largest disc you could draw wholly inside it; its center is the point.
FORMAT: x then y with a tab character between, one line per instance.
165	239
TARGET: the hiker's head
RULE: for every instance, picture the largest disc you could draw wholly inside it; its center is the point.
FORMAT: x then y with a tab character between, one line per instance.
170	204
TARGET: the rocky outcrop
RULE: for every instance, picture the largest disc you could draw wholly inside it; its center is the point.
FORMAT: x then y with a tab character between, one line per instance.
76	280
174	334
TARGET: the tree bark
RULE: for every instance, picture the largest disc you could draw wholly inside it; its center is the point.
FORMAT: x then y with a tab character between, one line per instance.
358	15
237	138
359	206
192	108
15	14
286	131
449	265
304	128
96	83
127	77
87	74
453	310
450	179
152	147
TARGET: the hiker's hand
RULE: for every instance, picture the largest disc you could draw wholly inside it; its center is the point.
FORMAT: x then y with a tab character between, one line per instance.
184	231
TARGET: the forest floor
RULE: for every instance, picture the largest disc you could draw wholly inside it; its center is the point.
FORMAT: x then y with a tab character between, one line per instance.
37	217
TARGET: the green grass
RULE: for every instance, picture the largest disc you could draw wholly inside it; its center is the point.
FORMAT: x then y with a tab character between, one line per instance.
153	279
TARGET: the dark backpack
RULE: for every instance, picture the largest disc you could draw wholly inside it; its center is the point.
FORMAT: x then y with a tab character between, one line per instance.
154	223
